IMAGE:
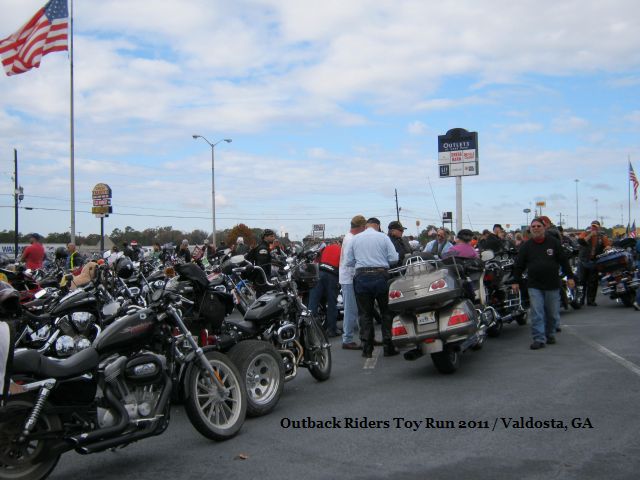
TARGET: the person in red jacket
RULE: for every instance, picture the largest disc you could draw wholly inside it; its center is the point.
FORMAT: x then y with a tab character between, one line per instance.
328	287
33	255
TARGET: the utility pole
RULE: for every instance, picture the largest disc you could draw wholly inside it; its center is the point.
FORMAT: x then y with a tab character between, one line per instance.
560	224
397	209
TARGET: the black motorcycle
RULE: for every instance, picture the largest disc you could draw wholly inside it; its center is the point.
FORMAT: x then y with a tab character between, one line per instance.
116	392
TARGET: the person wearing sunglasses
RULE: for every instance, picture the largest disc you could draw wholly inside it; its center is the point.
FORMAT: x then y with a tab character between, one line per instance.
542	256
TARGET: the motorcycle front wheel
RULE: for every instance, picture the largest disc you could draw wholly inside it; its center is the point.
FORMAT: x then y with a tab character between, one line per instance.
317	351
17	459
216	415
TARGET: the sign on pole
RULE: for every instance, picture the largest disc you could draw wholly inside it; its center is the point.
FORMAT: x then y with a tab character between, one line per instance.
101	196
318	230
458	153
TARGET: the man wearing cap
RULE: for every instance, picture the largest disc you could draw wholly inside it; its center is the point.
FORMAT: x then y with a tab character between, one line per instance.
371	253
592	244
33	255
400	243
345	277
209	251
260	255
542	256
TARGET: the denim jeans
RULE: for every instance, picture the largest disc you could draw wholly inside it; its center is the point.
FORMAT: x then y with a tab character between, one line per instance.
545	313
369	288
327	288
350	321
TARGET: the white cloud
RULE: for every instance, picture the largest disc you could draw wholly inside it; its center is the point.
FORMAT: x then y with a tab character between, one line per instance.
417	128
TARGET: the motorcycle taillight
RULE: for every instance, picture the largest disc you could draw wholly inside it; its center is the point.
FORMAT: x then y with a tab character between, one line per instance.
398	329
457	317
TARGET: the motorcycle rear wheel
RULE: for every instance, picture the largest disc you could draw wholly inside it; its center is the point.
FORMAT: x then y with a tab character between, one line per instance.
216	416
495	330
261	367
317	351
15	460
447	361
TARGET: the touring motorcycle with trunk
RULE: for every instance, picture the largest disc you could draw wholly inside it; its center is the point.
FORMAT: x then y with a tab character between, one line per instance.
440	309
116	392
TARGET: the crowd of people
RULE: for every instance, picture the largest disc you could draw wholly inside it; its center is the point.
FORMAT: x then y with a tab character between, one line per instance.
358	266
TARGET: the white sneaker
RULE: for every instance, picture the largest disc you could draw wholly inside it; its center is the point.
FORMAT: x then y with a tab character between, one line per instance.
636	306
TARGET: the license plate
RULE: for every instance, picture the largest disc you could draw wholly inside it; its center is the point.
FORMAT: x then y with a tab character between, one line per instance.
425	318
40	293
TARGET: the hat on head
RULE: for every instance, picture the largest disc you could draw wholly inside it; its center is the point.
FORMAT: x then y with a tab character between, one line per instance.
497	225
395	225
358	221
185	242
595	222
267	232
206	241
35	235
240	240
374	220
134	243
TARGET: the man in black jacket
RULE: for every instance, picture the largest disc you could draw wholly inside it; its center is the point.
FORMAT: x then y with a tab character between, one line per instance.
401	244
260	255
542	256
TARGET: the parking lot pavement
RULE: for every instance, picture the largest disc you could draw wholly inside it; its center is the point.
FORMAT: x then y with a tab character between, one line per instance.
566	411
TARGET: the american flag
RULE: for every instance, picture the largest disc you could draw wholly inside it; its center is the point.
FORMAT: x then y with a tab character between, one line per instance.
632	233
46	32
634	180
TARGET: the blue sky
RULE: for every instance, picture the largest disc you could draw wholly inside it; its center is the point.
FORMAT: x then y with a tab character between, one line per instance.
331	106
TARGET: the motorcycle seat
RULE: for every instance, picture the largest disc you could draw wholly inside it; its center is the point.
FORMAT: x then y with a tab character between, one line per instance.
49	282
243	326
32	362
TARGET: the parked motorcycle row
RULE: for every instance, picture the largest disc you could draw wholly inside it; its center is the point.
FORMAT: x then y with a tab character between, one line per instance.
98	363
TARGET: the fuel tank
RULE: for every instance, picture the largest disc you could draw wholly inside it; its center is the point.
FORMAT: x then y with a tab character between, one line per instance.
136	328
78	299
267	308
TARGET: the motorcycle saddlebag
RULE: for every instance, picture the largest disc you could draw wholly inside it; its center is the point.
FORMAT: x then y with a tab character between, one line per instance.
614	260
423	289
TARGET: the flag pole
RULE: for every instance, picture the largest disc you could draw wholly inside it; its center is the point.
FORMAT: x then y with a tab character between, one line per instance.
629	182
71	141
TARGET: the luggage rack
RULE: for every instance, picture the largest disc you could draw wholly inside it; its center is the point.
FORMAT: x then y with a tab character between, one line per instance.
417	265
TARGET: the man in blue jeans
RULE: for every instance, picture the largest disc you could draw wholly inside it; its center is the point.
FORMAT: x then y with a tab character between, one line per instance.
371	252
350	320
542	256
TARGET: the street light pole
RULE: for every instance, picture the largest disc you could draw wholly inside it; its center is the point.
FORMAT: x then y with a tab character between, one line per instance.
213	183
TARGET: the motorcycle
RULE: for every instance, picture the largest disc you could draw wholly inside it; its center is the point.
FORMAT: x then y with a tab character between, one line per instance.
116	392
573	297
619	276
435	301
276	337
502	302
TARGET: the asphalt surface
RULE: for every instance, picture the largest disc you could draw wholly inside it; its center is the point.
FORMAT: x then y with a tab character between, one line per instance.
567	411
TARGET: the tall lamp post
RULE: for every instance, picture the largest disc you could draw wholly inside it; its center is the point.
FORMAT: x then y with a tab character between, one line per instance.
577	222
213	184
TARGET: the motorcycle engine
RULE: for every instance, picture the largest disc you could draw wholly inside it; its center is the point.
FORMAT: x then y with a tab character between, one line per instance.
74	330
140	381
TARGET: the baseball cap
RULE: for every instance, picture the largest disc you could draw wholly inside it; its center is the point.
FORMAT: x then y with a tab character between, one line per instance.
395	225
358	221
595	222
134	243
267	232
374	220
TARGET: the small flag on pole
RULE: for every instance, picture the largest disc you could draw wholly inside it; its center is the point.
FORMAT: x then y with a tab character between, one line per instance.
634	180
46	32
632	233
